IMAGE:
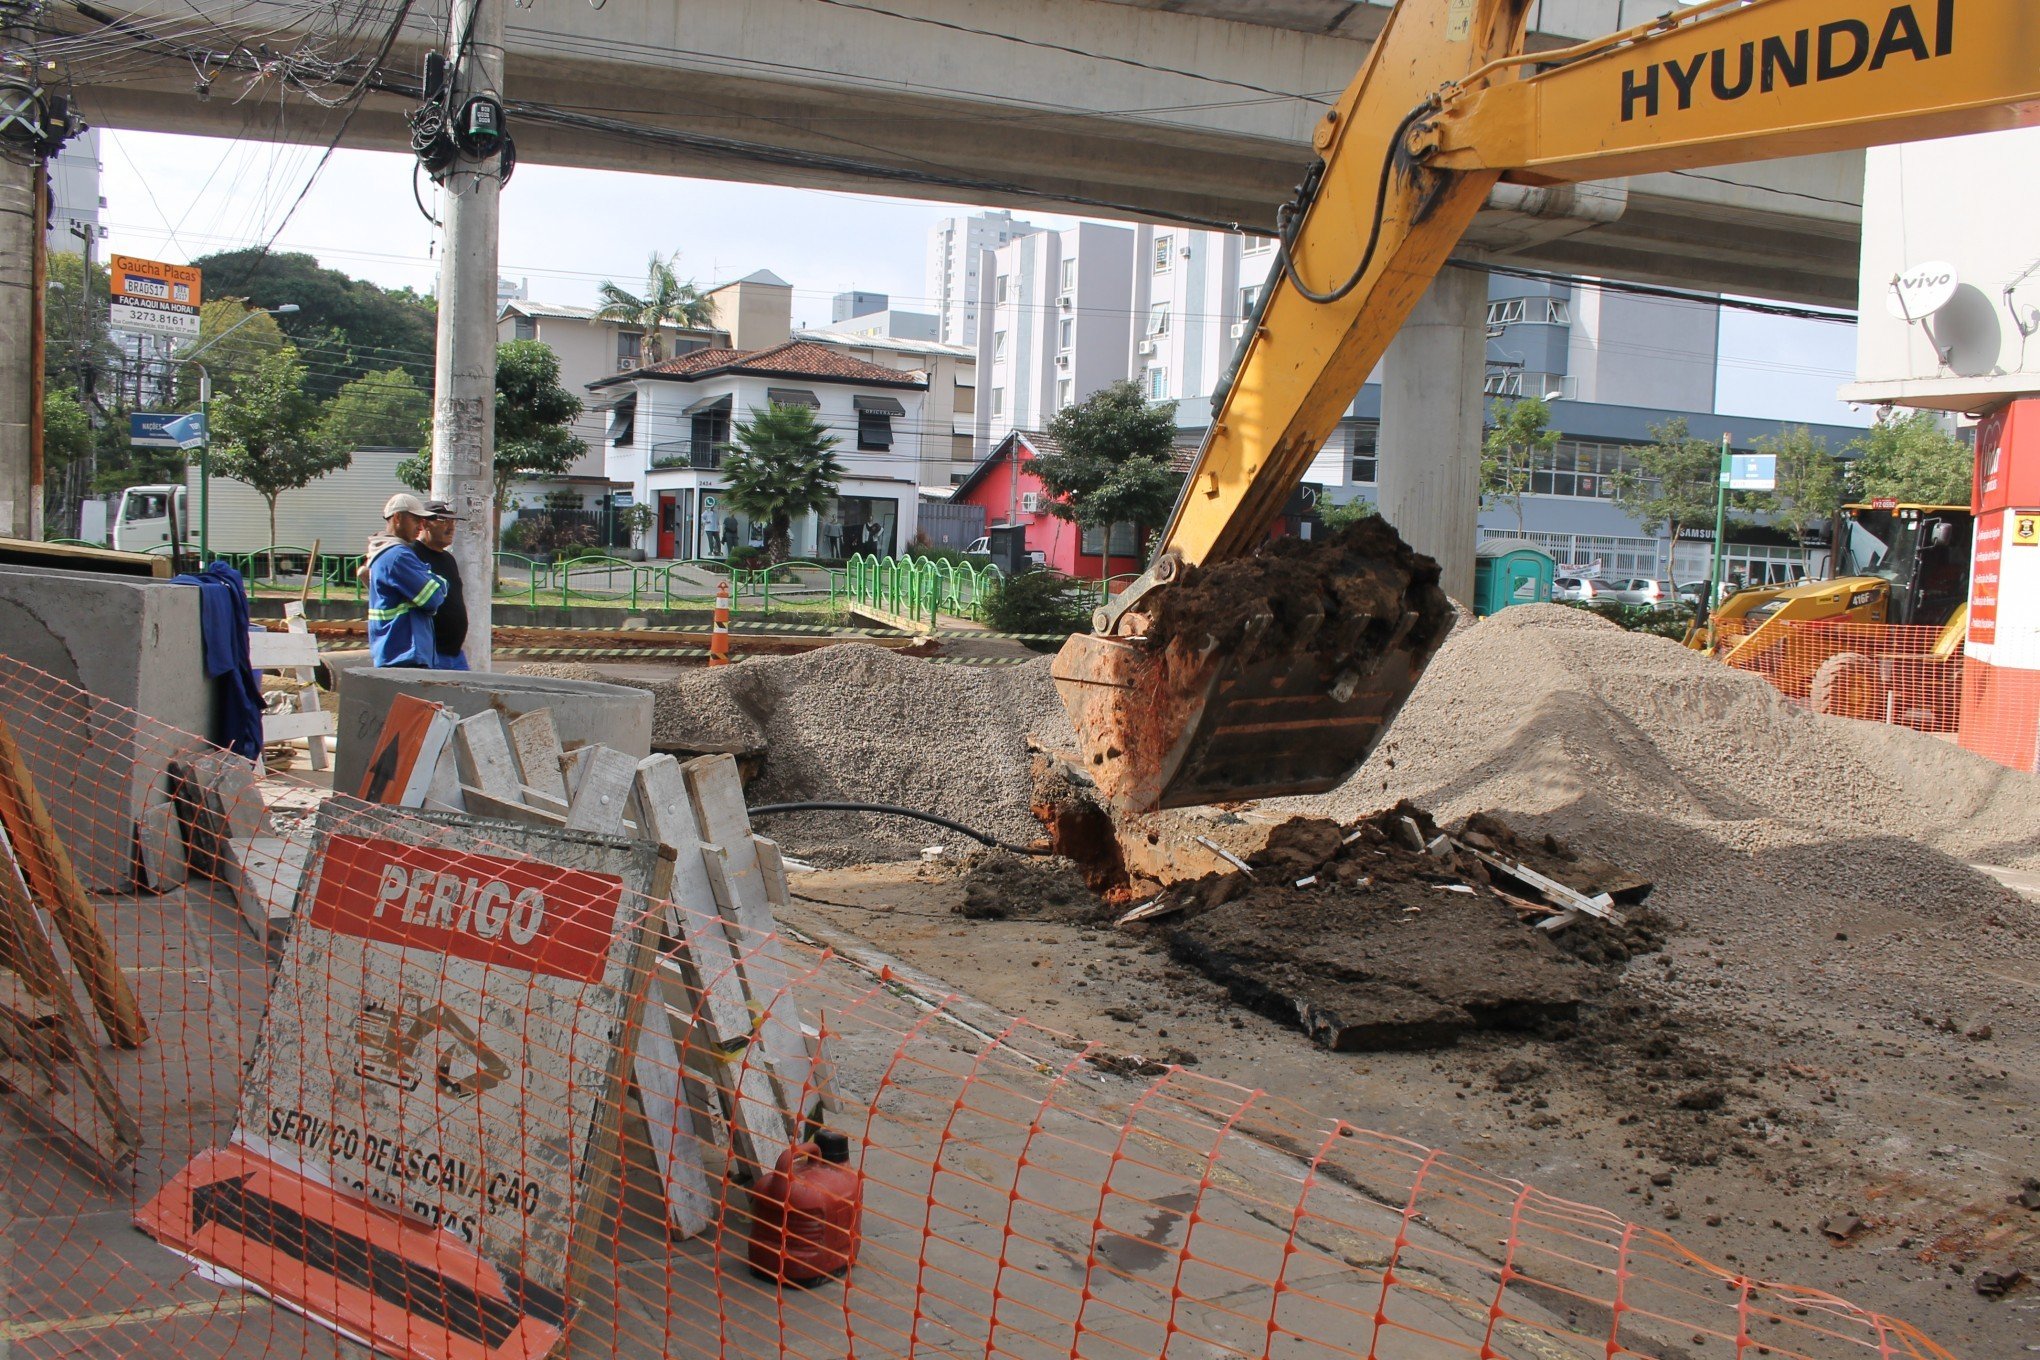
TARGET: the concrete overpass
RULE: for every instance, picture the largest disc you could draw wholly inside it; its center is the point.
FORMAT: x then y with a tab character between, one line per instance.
1197	109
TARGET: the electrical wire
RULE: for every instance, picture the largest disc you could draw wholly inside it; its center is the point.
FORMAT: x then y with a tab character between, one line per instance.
894	810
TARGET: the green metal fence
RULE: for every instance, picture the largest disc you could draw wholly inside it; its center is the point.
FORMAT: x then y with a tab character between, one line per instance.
920	588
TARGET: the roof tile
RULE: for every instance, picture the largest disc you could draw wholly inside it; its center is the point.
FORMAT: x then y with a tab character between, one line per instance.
794	359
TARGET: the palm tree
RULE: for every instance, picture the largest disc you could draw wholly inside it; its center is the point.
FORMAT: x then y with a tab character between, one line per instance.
665	302
780	466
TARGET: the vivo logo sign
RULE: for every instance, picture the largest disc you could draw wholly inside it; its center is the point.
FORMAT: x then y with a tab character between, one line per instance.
1921	291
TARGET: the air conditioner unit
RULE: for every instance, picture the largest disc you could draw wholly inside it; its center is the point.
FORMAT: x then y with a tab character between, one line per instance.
1146	347
1239	329
1065	302
1062	361
1186	252
1030	502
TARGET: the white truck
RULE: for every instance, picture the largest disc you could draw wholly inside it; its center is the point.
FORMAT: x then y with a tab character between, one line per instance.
339	510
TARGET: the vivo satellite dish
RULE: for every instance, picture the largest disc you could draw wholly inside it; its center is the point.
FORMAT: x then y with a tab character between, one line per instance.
1921	290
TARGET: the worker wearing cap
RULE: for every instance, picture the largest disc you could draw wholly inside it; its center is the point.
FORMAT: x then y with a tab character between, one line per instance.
403	593
450	624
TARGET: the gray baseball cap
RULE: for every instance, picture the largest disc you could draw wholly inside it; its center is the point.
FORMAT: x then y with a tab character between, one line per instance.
439	510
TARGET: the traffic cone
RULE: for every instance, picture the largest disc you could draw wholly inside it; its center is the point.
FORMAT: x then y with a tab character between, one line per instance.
719	635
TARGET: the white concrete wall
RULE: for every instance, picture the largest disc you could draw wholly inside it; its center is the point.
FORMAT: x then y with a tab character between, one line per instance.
1970	202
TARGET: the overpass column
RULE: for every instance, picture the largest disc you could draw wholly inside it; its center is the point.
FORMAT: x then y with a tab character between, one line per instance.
1432	408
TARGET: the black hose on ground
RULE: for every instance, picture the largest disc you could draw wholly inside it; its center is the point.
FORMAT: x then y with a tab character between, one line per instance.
894	810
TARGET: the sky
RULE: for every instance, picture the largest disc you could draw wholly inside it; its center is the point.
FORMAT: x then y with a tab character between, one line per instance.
174	198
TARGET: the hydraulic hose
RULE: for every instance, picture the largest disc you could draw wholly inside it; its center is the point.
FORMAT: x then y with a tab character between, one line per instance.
894	810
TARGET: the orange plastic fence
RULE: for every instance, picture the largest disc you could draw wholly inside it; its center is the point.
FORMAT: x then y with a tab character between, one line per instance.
1870	671
1023	1196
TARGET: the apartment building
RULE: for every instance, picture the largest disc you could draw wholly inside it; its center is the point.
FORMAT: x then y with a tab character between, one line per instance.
956	246
1056	324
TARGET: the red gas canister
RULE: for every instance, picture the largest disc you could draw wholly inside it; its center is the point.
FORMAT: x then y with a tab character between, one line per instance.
804	1213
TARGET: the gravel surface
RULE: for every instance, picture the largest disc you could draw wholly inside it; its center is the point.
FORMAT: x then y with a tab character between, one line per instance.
857	723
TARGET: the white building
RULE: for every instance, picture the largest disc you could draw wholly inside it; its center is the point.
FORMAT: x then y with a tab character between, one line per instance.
1056	324
1190	292
949	420
956	246
670	426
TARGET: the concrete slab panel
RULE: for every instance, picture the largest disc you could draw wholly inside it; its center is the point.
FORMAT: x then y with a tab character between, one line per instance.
133	645
584	712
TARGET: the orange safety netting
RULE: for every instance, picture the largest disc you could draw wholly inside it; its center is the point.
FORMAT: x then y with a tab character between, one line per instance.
1876	672
1023	1195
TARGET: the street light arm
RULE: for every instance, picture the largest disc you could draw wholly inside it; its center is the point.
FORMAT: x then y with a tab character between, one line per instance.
283	310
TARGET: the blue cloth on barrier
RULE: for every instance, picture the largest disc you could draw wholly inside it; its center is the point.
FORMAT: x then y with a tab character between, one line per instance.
223	631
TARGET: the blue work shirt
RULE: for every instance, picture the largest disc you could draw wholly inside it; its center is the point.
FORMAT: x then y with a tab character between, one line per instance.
403	595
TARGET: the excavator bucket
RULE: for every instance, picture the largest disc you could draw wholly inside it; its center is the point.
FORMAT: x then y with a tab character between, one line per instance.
1270	676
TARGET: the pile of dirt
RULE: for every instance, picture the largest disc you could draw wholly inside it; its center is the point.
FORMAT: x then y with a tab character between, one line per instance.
1351	595
857	723
999	885
1386	935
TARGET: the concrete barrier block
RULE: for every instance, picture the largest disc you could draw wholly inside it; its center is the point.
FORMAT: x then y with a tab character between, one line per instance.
584	712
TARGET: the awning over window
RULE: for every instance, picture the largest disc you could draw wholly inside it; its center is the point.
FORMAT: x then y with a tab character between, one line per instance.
792	396
888	406
709	404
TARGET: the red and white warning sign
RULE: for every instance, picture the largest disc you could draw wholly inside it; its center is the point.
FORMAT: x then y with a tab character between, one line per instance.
444	1044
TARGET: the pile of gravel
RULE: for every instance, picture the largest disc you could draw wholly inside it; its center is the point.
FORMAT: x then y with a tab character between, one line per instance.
857	723
1827	860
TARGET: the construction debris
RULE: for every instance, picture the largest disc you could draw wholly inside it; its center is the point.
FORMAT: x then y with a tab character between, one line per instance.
1394	934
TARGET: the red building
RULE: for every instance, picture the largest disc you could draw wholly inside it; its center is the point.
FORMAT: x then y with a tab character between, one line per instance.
1062	545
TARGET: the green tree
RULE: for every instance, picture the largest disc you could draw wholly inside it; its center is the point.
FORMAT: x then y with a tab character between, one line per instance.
1522	435
1337	517
1809	489
67	452
781	464
382	410
1113	464
1675	482
78	342
266	433
533	416
346	327
1910	457
666	301
238	354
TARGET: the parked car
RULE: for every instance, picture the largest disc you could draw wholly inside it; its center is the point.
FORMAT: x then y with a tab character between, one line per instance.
1643	590
1692	592
979	547
1579	588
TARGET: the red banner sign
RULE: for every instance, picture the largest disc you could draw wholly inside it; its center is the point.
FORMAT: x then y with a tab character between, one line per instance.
512	913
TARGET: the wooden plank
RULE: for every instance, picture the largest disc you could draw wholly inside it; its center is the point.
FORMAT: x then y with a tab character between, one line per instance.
607	777
481	804
1562	896
573	766
697	939
675	1148
300	726
273	867
48	1054
718	796
46	869
269	651
485	753
536	743
758	1125
444	791
307	674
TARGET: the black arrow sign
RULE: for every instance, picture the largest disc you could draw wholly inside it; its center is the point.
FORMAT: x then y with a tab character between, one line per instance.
389	1275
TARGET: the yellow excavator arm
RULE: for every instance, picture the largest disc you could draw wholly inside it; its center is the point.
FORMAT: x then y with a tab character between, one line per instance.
1447	104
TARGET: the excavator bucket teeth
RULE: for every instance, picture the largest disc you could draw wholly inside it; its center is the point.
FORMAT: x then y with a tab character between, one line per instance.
1175	726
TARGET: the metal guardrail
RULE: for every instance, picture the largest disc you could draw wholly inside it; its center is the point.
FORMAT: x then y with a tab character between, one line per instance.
920	588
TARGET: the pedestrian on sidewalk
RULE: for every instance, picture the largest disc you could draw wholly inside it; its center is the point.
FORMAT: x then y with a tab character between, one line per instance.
403	592
450	624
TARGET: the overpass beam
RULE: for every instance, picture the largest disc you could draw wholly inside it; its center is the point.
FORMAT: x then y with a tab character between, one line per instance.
1433	389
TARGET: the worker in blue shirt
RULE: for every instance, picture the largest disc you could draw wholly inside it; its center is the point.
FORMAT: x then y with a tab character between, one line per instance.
403	594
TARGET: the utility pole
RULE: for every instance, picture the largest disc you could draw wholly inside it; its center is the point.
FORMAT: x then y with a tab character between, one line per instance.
459	134
21	231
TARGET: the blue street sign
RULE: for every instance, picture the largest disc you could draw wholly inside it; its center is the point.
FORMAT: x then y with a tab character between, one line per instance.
1752	471
166	430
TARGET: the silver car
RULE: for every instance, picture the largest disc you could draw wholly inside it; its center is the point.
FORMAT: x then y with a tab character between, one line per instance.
1644	590
1580	588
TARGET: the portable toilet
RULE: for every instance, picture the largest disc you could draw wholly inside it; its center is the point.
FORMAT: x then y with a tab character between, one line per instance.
1510	571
